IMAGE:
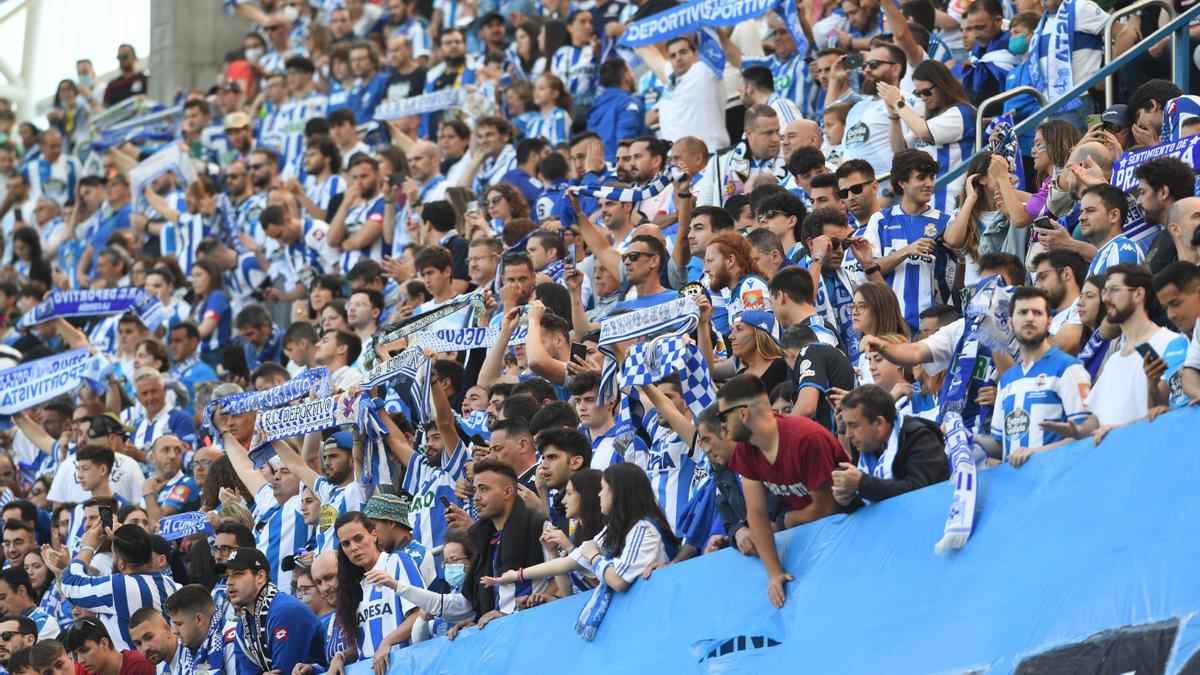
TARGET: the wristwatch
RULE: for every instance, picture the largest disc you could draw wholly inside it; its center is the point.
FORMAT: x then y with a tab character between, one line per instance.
900	104
872	269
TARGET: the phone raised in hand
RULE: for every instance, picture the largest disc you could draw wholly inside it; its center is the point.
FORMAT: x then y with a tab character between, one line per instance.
106	517
578	350
854	61
1043	223
1145	350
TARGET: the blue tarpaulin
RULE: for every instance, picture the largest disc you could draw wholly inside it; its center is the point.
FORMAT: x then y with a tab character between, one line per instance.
1083	560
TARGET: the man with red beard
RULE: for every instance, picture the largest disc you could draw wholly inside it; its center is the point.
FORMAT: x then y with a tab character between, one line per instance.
730	265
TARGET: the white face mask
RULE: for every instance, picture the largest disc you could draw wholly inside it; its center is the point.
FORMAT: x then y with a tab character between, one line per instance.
254	54
291	13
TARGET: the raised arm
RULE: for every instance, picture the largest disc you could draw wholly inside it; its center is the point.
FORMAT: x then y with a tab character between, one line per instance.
655	62
251	477
540	361
35	432
161	205
681	424
493	365
296	464
901	34
442	413
337	227
606	254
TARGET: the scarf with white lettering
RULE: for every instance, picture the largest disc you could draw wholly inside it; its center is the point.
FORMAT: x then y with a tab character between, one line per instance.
252	635
97	302
466	339
966	484
415	324
1061	76
310	382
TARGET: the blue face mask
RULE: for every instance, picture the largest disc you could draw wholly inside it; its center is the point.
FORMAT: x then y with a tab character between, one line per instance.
456	573
1018	44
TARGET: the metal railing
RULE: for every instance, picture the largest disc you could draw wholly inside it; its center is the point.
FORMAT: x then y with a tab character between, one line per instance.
1000	98
1182	60
1109	90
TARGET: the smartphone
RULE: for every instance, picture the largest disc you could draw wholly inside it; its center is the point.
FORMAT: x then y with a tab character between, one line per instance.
1093	120
1145	350
445	502
396	179
571	256
853	61
473	207
578	350
106	517
1043	223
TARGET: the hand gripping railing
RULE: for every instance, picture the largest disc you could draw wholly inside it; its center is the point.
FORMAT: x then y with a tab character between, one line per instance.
1112	20
1182	60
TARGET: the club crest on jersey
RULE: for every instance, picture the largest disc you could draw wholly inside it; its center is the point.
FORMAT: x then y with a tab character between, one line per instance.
930	229
281	634
329	515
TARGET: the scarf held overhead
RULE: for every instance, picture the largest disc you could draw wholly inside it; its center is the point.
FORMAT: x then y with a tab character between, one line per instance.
98	302
313	382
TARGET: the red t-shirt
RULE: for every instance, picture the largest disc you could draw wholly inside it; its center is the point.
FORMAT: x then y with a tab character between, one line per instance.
807	456
132	663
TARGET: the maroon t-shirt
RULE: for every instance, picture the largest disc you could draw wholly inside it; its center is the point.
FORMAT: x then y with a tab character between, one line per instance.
807	456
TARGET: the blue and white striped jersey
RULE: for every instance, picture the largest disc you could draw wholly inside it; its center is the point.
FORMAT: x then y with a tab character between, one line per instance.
1052	389
116	597
55	180
610	448
1115	251
381	610
321	193
554	126
75	528
953	134
279	530
669	465
356	218
427	484
417	34
914	279
577	68
791	74
286	131
335	501
787	110
246	214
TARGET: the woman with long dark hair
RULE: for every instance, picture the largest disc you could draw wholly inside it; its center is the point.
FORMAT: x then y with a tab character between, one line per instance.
28	259
582	502
221	474
211	311
947	129
636	535
362	569
980	226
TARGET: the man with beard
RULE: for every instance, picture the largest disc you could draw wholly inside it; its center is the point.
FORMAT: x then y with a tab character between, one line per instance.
275	631
733	274
403	21
247	183
856	191
16	633
903	238
239	137
493	139
757	152
430	473
1162	182
322	182
1102	212
357	228
1060	274
623	159
370	85
154	639
452	73
339	487
1046	385
790	457
866	134
201	632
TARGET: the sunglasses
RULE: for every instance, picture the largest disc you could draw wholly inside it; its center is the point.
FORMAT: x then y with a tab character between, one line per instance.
255	167
495	201
853	189
924	93
875	63
632	256
722	413
764	216
10	634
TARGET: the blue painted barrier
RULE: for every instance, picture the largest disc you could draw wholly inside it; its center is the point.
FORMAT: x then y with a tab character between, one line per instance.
1084	556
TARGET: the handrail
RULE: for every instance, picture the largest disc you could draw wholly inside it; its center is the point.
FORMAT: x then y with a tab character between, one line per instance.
1112	19
1181	56
1004	96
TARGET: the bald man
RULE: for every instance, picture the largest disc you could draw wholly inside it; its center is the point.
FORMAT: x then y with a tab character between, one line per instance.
324	576
426	184
1183	219
800	134
690	154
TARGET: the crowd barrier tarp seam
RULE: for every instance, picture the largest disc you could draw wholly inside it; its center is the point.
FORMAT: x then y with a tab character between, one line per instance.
1078	541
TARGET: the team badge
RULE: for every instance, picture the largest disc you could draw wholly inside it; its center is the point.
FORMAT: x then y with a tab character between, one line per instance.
329	514
281	634
930	230
693	290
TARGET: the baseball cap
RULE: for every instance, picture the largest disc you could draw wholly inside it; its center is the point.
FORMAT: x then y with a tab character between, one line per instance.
762	320
237	120
101	426
343	440
490	17
1116	114
390	507
245	558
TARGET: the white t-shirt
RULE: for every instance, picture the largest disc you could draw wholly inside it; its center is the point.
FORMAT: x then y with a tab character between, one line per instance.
126	480
941	344
1119	395
866	135
694	105
1067	317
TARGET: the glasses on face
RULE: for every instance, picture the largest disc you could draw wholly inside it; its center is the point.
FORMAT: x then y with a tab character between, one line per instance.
722	413
853	189
858	307
1112	290
1039	276
875	63
255	167
10	634
495	201
924	93
632	256
235	175
764	216
224	549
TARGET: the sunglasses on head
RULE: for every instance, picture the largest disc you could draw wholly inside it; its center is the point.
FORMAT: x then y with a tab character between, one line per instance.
853	189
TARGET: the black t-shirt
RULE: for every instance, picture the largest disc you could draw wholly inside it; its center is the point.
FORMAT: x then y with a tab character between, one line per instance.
125	86
775	373
402	86
824	368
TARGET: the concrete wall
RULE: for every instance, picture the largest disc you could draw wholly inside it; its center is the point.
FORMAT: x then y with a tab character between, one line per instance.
188	43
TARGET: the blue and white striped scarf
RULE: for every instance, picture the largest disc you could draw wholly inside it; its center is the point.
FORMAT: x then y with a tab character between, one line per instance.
597	605
634	195
97	302
1061	76
415	324
310	382
650	362
961	520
